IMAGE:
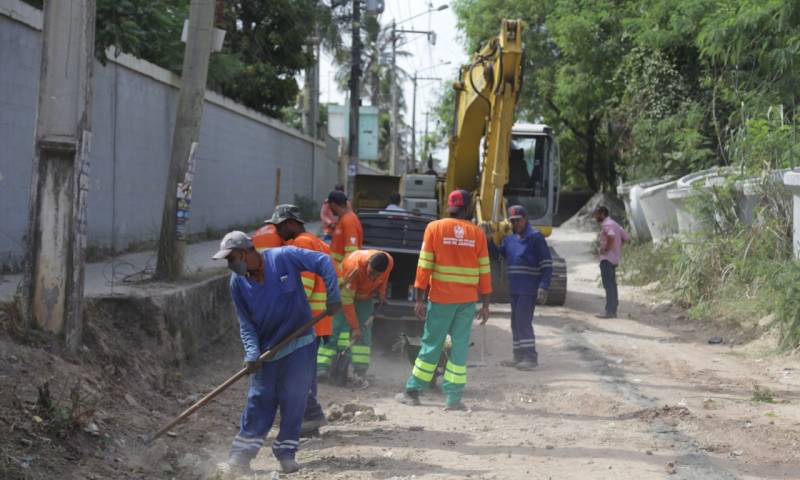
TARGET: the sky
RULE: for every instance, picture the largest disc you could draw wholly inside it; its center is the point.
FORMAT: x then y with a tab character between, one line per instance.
425	60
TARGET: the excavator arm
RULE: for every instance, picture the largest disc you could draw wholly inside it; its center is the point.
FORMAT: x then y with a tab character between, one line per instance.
486	97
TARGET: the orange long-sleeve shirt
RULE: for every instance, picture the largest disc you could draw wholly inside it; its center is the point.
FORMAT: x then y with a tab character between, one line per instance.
267	237
454	261
327	216
356	284
313	283
347	237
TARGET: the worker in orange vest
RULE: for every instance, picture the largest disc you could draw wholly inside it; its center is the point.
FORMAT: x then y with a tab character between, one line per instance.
454	262
291	230
266	237
348	234
364	273
329	219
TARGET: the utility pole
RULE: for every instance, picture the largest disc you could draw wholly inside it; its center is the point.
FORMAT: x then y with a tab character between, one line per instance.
52	297
315	84
414	119
178	193
413	126
393	116
311	89
355	97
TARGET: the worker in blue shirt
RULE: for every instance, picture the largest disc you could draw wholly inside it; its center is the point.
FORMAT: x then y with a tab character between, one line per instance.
530	268
271	304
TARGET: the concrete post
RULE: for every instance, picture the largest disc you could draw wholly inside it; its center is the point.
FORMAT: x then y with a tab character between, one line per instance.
178	194
792	181
56	240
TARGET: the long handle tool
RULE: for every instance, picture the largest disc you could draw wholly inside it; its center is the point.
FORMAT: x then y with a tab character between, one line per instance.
241	373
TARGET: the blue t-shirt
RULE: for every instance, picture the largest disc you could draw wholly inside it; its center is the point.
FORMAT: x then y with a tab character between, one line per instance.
270	312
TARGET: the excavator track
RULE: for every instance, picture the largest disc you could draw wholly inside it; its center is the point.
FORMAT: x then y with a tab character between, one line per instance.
557	294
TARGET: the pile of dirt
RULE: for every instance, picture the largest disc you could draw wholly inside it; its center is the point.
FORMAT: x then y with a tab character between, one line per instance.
584	219
83	415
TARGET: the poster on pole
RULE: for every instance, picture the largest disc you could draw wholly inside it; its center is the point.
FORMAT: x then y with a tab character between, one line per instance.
184	196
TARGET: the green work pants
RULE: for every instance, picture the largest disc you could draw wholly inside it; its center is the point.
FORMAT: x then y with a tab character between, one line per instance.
361	351
442	319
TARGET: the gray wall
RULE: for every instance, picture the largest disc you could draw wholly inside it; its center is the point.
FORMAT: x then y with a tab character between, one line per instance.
133	112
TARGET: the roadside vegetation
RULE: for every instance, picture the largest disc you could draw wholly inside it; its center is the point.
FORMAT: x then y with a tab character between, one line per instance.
729	273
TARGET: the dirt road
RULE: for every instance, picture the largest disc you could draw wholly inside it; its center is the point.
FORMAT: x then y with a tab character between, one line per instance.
643	396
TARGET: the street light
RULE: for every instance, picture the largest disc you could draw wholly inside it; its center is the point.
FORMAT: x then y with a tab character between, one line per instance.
414	110
437	9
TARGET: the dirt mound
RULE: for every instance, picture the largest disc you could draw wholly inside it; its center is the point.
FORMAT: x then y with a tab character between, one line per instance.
81	416
584	219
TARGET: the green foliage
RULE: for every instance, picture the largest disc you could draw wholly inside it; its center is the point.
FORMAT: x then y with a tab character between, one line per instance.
766	141
148	29
787	282
762	395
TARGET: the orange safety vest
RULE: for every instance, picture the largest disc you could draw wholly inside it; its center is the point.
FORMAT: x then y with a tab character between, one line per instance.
347	237
454	261
313	283
267	237
356	284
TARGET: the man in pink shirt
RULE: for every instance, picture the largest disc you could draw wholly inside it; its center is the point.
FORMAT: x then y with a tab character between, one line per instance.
611	237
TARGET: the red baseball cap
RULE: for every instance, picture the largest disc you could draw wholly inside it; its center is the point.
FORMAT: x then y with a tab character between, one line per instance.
516	211
457	200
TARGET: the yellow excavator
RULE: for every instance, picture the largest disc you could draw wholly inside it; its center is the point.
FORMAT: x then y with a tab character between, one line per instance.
500	162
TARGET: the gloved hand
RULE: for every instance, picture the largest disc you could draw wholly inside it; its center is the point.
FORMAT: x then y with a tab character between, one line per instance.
333	307
251	367
355	335
541	296
487	229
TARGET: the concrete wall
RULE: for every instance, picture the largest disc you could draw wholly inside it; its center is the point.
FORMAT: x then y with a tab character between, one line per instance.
133	113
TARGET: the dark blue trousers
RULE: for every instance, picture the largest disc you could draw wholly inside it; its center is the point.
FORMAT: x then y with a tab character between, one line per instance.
608	273
313	408
284	384
524	345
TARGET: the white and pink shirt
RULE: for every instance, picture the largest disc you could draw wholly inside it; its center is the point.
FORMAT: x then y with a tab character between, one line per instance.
610	228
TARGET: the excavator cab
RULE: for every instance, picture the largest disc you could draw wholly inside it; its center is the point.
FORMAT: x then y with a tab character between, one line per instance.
533	163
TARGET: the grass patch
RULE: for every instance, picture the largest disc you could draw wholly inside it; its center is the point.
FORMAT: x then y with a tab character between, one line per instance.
762	395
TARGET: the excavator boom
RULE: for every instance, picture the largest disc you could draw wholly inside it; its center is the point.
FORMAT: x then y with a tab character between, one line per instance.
486	97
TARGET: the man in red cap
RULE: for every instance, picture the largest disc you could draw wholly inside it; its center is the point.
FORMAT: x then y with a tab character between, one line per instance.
454	262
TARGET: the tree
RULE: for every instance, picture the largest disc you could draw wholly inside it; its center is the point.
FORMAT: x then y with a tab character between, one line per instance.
573	49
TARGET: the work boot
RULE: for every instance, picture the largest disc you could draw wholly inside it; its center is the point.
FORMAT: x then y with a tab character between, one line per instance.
510	363
289	465
606	315
527	365
360	380
312	424
239	463
408	397
454	407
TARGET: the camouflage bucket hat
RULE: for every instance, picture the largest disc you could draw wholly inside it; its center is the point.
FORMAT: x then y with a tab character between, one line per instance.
285	212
